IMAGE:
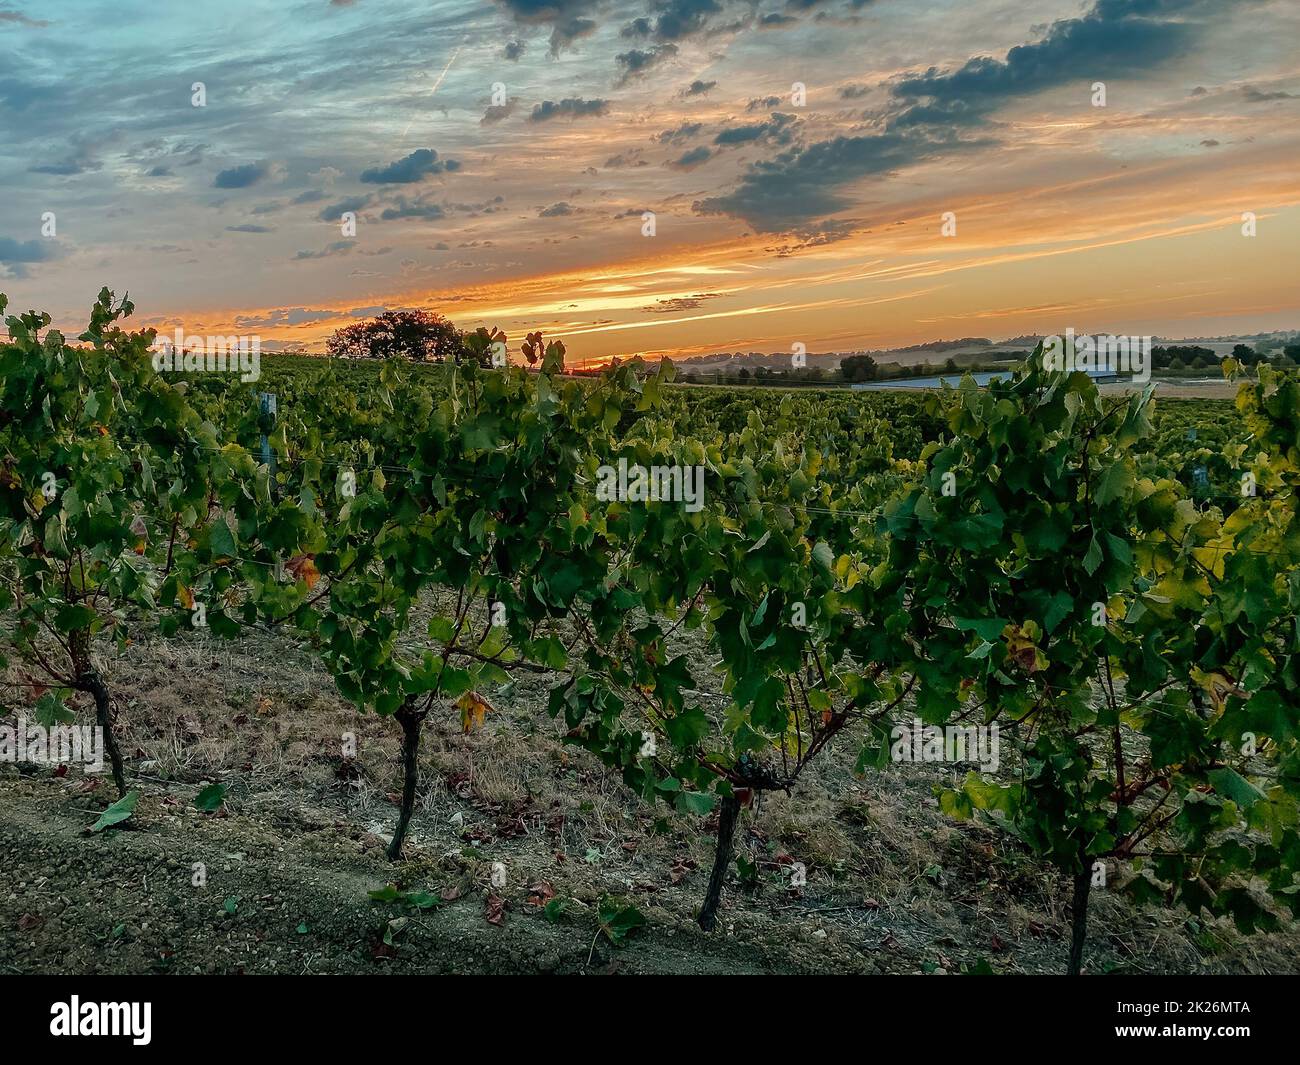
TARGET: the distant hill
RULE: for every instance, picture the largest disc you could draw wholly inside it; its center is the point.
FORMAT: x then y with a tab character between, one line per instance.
964	351
947	345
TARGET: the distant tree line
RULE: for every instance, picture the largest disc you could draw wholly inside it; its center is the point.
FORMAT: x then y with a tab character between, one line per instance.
859	368
1195	357
426	336
853	369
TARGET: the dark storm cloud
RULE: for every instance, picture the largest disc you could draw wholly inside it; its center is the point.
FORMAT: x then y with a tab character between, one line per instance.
625	159
284	316
1253	95
571	107
779	130
404	208
690	160
673	20
339	247
637	61
241	177
1115	37
568	19
25	251
699	88
570	30
682	133
800	187
496	113
333	212
16	254
948	113
414	167
682	18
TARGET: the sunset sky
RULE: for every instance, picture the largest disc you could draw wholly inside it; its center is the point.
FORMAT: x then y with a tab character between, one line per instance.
777	220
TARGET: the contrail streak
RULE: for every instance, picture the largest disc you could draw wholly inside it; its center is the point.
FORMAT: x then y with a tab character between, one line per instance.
437	83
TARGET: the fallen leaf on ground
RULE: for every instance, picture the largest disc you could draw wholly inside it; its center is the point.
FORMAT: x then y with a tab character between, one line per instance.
540	894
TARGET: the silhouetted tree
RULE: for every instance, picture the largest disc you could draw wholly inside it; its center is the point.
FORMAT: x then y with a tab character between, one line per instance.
859	368
422	336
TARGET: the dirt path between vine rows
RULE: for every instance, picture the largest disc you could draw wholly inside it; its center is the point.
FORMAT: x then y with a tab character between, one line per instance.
124	901
892	885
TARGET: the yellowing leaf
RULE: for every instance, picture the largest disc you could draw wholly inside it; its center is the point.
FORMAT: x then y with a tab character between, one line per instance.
1021	648
184	596
473	709
1217	687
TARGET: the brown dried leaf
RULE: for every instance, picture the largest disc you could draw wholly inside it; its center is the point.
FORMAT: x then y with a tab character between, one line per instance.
540	894
304	568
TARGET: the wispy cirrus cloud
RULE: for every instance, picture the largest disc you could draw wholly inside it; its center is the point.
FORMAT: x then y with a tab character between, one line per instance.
18	18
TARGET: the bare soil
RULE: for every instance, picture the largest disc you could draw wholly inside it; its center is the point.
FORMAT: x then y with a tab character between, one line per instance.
287	865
